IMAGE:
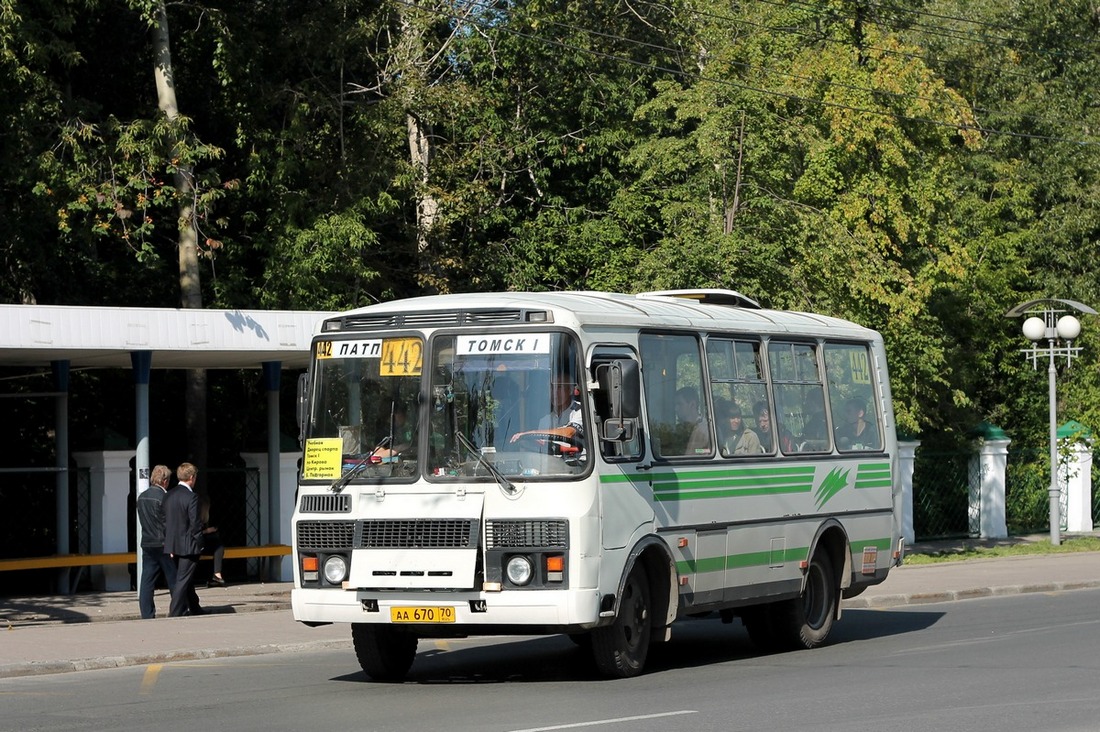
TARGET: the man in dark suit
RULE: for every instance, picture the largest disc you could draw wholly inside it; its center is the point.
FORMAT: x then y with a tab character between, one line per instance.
154	562
183	540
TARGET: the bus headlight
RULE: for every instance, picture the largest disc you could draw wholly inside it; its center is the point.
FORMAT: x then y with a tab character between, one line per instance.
336	569
519	570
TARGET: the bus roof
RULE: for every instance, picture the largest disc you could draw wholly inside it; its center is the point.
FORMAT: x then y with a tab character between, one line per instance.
702	309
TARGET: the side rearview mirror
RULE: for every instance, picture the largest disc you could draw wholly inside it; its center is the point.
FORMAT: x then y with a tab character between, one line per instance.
300	407
622	381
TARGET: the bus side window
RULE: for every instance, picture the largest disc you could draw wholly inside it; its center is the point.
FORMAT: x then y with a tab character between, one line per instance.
676	400
851	397
799	397
737	385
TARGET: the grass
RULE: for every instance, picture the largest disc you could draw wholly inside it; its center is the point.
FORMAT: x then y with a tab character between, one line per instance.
1015	548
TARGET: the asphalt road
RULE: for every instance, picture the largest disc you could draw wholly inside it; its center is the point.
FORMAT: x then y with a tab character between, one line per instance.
1020	662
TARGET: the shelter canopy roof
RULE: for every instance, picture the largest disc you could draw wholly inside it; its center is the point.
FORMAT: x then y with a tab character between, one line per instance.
104	337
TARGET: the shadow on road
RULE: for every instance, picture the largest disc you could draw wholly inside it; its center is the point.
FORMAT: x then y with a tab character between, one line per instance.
695	642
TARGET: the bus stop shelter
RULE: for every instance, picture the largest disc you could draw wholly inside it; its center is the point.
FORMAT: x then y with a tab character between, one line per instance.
63	338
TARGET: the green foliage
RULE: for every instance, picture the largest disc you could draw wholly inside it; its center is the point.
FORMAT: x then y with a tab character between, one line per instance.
919	169
115	180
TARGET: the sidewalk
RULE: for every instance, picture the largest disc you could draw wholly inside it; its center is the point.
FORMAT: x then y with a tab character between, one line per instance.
43	635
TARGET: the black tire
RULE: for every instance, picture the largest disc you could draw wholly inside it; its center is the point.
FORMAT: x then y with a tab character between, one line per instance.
385	653
805	621
620	649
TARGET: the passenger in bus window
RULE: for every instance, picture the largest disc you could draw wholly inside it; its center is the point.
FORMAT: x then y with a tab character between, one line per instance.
740	440
687	416
855	431
767	436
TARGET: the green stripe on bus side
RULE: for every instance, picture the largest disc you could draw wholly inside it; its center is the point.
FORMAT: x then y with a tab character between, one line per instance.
763	559
687	484
667	485
873	475
791	470
746	473
690	494
880	544
623	478
740	561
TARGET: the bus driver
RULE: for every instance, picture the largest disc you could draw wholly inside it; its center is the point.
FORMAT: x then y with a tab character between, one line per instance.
565	411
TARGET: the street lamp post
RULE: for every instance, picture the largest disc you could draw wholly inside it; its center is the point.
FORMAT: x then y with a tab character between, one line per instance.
1044	324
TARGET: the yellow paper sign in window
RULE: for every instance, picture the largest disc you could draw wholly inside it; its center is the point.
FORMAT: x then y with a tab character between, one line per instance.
322	459
402	357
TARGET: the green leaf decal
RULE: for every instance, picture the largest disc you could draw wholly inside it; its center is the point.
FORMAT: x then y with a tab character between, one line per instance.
834	482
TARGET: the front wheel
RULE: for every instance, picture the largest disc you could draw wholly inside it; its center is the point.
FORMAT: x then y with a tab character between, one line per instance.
620	649
385	653
805	621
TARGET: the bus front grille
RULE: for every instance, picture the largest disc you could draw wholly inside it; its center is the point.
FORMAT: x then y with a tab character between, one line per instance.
526	534
327	503
325	535
416	534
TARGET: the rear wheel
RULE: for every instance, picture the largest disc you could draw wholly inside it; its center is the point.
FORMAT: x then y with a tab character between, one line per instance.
805	621
385	653
620	649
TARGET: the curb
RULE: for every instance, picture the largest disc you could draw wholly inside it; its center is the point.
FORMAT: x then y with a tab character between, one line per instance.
241	608
43	668
926	598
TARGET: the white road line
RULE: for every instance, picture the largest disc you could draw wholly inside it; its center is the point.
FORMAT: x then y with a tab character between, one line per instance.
615	720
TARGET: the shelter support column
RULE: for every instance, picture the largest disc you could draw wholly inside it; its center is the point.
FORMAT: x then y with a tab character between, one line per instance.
142	362
272	372
61	446
110	489
61	442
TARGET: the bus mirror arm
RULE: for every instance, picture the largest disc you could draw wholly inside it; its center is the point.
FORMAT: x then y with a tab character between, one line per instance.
619	429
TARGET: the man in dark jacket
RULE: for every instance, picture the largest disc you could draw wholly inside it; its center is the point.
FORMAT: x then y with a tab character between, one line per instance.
155	563
183	540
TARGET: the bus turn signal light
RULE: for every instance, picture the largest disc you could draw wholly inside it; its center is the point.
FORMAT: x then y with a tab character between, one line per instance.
555	567
310	569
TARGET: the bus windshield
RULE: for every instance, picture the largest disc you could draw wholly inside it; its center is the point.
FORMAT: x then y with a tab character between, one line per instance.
511	401
514	398
366	399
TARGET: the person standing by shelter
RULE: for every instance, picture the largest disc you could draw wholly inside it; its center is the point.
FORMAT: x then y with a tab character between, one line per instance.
211	542
155	563
183	540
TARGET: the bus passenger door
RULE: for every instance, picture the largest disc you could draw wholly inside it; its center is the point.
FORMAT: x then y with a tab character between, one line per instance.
626	491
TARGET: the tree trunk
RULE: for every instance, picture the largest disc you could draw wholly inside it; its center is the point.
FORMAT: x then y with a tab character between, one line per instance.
190	281
412	66
427	207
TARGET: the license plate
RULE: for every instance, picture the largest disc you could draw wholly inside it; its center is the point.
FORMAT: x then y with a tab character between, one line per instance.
422	614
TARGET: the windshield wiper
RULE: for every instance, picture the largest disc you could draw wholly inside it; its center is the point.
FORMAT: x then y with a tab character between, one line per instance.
503	482
340	483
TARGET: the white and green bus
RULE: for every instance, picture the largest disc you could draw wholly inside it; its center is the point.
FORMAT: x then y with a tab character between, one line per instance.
592	464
